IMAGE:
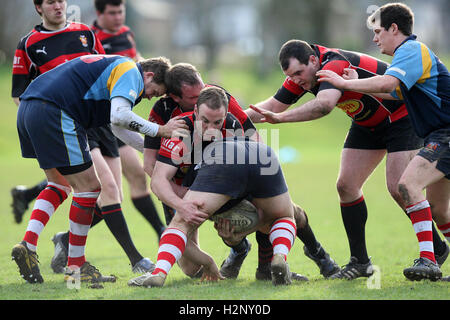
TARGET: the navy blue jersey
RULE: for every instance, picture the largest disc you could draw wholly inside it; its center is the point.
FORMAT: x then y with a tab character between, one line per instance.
83	87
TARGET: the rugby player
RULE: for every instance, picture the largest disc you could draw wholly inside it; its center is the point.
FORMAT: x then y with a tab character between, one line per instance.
49	44
106	149
86	92
210	121
422	81
379	127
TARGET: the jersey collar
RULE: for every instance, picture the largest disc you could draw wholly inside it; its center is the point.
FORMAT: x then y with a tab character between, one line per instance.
411	37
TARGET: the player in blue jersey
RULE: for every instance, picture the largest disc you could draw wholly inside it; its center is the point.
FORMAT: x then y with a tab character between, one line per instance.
418	77
54	113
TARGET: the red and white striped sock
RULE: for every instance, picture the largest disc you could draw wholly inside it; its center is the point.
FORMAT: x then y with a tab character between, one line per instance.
171	248
282	236
420	215
46	204
445	229
80	218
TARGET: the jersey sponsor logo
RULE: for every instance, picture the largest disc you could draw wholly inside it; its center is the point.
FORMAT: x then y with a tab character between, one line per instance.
134	126
83	40
351	107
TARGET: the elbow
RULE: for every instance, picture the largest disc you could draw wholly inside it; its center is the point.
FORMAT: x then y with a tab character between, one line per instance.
148	168
388	84
325	106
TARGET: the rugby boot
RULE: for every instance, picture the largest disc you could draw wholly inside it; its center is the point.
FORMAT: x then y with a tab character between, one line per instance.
232	264
87	273
263	273
440	259
155	280
327	266
139	281
423	268
143	266
280	270
354	270
59	259
28	262
19	202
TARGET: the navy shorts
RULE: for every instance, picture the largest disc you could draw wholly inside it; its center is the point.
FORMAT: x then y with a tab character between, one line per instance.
392	136
104	139
50	135
437	148
240	168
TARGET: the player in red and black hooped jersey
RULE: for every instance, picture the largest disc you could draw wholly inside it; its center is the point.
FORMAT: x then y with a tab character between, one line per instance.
110	29
379	127
43	49
365	110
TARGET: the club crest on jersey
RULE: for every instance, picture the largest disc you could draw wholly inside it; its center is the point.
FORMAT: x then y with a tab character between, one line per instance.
83	40
351	107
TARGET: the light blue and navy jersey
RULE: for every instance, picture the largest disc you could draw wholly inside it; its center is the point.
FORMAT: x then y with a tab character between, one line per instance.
83	87
425	86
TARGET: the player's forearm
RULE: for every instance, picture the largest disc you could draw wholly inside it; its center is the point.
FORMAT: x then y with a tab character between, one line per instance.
377	84
131	138
162	188
311	110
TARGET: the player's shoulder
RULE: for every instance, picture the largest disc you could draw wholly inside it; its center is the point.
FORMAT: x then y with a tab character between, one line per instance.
78	26
23	40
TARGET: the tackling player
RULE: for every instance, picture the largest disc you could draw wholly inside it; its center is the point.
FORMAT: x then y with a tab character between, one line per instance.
379	126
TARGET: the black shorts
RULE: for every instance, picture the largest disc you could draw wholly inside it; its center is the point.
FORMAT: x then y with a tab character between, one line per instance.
437	148
104	139
392	136
240	168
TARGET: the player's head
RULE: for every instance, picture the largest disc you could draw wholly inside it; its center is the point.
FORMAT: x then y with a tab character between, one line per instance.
110	14
391	23
154	70
184	84
300	63
53	12
210	112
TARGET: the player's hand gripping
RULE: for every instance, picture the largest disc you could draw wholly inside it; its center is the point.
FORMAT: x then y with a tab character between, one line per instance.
332	77
269	116
190	212
176	127
226	231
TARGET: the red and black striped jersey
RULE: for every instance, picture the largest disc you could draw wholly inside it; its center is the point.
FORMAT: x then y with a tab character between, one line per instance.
121	42
185	154
42	50
166	108
365	109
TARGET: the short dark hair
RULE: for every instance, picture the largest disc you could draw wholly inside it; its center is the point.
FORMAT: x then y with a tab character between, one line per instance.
214	97
158	66
38	3
297	49
397	13
180	74
100	5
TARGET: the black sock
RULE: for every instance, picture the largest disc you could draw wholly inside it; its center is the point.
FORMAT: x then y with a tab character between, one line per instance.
97	217
306	235
354	216
32	193
116	223
147	208
265	249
